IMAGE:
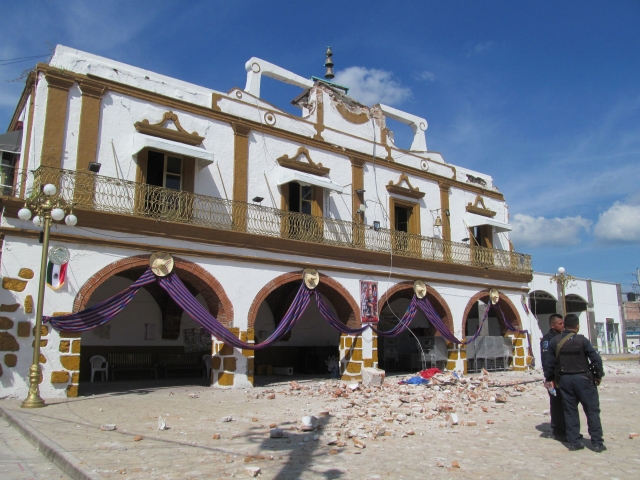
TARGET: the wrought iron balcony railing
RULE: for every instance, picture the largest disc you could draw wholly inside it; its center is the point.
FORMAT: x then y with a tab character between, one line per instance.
107	194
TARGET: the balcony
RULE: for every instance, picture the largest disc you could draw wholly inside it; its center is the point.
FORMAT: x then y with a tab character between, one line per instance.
106	194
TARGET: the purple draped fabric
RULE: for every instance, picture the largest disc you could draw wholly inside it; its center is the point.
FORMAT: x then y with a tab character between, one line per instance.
331	318
434	318
181	295
403	324
507	323
102	312
484	319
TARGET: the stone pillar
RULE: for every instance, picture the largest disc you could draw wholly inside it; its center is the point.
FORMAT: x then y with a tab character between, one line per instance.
229	363
351	361
521	358
456	358
69	348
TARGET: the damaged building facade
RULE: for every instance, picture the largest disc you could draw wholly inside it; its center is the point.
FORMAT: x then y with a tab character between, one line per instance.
245	195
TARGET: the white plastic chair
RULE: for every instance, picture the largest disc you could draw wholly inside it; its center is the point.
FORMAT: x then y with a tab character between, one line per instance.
206	358
99	364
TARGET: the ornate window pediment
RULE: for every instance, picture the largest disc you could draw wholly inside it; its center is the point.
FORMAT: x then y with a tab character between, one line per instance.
159	130
408	191
296	163
475	208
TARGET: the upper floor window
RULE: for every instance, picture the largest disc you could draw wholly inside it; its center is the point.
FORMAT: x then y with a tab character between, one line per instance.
164	170
7	170
300	198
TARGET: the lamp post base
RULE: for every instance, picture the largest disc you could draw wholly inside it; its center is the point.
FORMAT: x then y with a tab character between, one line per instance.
33	399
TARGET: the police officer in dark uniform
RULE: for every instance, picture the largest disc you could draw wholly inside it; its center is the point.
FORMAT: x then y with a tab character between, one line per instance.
556	407
578	370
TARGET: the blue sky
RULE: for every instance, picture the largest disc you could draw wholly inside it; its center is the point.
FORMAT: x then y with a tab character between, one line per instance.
543	96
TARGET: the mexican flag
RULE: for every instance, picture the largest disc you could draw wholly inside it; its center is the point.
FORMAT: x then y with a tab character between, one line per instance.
56	275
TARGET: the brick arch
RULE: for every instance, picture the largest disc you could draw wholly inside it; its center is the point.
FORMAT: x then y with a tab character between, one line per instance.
507	307
405	290
328	287
211	290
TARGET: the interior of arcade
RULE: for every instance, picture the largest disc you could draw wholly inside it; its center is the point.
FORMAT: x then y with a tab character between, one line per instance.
151	339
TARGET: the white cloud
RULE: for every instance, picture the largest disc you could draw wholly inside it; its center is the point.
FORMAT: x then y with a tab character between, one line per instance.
480	48
426	76
554	232
621	223
371	86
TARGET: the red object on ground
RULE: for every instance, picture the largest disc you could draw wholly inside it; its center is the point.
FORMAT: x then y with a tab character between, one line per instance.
430	372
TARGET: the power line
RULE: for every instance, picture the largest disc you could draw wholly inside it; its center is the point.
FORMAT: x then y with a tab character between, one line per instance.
11	61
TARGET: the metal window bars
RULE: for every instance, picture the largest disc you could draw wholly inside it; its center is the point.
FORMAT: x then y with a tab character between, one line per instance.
87	190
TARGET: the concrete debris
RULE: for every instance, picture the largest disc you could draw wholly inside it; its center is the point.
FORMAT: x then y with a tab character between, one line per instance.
228	418
217	436
162	424
276	433
309	423
455	464
634	435
359	444
501	398
372	377
194	395
108	427
252	471
137	438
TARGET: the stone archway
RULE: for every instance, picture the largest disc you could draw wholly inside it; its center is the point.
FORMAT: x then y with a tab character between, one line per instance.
214	295
507	307
348	310
405	290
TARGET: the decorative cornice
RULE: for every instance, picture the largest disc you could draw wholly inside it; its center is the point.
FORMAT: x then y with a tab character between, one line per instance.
484	211
240	129
349	116
159	130
92	89
59	81
408	191
310	167
316	141
357	161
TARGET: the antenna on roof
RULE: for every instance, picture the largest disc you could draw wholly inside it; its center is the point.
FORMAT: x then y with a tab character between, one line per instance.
329	64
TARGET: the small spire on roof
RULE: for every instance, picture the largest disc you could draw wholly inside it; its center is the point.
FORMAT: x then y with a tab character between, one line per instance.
329	64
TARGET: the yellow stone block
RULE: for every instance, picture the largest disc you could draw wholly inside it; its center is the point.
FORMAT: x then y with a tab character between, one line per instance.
28	304
44	331
43	359
6	323
356	354
368	362
451	365
225	379
235	331
75	377
359	342
354	367
72	391
24	329
463	354
248	353
64	346
10	360
519	361
250	366
70	362
226	350
348	341
251	380
14	284
519	369
60	314
375	341
26	273
229	364
60	377
70	334
215	363
518	343
243	337
350	378
453	355
520	352
251	334
374	356
341	343
43	343
75	346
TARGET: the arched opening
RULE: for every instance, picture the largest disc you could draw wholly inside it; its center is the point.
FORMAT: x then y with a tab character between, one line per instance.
493	349
542	304
308	346
421	345
152	338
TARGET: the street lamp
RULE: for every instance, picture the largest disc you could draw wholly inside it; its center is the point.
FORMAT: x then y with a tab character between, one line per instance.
563	279
47	207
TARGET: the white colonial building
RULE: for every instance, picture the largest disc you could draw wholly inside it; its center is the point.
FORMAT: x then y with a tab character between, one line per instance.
245	196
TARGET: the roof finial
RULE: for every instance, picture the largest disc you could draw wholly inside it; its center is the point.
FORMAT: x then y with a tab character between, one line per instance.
329	64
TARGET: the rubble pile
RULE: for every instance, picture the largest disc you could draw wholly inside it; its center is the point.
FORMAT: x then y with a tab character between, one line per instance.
355	413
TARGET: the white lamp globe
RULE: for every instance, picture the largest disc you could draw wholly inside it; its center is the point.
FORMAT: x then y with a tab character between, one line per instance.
37	221
561	270
24	214
71	220
49	189
57	214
